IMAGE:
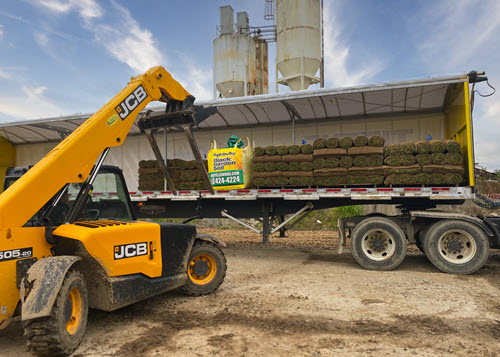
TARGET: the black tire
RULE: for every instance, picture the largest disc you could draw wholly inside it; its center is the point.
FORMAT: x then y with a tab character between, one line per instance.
456	247
61	333
206	269
378	243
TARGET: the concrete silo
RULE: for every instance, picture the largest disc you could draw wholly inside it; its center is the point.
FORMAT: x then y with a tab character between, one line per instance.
298	43
239	67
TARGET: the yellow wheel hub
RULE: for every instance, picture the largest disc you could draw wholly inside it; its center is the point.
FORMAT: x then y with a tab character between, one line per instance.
202	269
73	311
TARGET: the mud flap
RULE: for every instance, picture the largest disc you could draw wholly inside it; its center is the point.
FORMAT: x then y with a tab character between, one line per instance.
44	279
209	238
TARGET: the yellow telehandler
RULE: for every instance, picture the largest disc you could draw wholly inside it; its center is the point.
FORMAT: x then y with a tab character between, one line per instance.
62	251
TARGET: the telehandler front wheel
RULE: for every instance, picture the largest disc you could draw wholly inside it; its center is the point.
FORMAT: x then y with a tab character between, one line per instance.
60	333
206	269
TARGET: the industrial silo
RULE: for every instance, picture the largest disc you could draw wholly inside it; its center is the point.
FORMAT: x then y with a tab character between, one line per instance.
298	43
234	56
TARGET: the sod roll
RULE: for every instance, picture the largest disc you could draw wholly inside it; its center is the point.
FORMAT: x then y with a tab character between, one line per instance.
258	182
306	149
306	166
271	150
297	174
319	143
391	170
332	162
183	165
294	166
438	158
338	152
407	148
407	160
360	140
282	181
267	174
423	179
259	167
282	166
365	171
192	164
364	150
376	141
282	150
268	158
407	179
376	180
424	159
393	180
294	149
319	163
270	166
423	147
443	169
339	171
307	181
346	161
453	179
298	157
375	160
259	151
294	181
453	159
335	180
359	180
332	143
437	179
452	146
346	142
393	160
392	150
437	146
360	161
321	181
270	182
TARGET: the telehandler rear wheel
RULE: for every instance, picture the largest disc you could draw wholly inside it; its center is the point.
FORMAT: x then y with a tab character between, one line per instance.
60	333
206	269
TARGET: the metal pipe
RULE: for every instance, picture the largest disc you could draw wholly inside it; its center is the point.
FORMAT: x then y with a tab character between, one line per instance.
322	65
305	208
225	214
97	166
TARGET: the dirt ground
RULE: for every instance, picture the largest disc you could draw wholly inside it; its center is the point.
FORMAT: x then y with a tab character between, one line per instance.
296	296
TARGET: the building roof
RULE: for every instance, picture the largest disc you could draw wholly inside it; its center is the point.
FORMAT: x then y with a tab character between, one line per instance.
381	99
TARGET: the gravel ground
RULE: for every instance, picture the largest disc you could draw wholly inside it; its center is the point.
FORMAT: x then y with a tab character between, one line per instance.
296	296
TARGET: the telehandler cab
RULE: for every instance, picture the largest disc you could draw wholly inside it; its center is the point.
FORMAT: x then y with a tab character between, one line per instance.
64	250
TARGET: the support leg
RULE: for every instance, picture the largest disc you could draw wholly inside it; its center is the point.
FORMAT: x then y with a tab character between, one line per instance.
281	219
266	224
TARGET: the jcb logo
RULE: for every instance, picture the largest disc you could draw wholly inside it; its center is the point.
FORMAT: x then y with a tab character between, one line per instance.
131	102
130	250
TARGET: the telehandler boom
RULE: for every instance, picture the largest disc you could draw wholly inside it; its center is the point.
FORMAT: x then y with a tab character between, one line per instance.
61	252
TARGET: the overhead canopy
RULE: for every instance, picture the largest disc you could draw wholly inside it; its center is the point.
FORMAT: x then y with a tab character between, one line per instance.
416	96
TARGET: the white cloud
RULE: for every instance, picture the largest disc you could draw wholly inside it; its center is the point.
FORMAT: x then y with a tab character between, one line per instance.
337	70
1	31
32	103
128	42
197	80
454	32
87	9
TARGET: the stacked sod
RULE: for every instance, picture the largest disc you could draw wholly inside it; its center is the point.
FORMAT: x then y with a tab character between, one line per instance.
433	162
348	161
150	176
185	175
283	166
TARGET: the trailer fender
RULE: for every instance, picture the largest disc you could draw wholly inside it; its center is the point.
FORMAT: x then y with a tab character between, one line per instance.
42	284
209	238
456	216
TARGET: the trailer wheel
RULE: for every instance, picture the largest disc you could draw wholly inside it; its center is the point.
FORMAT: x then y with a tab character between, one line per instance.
378	244
206	269
60	333
456	247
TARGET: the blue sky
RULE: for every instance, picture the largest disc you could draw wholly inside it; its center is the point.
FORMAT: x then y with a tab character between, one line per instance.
60	57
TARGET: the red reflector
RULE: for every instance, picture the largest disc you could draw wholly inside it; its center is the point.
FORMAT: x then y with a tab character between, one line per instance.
243	191
113	193
333	190
440	189
223	191
286	190
97	194
184	191
148	192
412	189
166	192
358	189
384	189
132	193
308	190
204	191
264	190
